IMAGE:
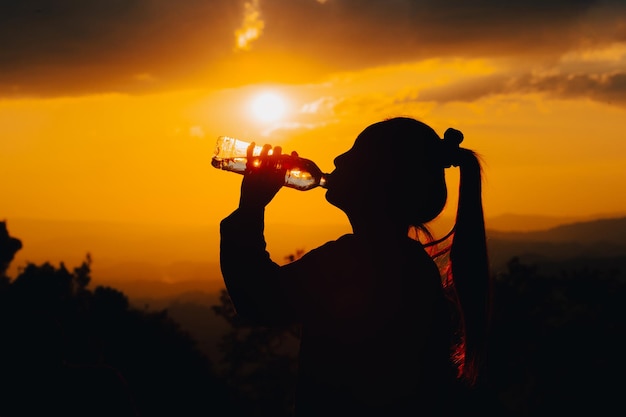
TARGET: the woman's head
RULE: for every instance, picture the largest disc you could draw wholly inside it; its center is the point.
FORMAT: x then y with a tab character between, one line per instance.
395	169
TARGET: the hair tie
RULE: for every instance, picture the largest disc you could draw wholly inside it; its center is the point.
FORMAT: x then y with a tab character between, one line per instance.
452	138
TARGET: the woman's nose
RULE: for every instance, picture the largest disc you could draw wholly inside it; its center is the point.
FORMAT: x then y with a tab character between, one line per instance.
339	159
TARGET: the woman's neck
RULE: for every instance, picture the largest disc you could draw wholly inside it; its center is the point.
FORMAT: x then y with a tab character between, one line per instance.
378	228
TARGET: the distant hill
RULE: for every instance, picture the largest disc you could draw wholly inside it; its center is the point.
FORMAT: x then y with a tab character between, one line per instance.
153	289
600	230
522	223
600	242
510	222
163	261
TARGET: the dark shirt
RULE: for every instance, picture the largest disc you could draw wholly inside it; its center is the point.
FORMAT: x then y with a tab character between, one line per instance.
374	319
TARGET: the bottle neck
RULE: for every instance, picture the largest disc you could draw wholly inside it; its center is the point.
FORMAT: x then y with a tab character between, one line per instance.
324	181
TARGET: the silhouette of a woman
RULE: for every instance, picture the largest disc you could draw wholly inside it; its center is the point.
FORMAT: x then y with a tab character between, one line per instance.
378	334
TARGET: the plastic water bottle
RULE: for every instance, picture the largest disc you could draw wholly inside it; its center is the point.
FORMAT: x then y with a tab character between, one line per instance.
302	174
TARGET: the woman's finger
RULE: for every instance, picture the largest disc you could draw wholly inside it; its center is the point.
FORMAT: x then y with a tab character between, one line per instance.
265	150
250	157
250	151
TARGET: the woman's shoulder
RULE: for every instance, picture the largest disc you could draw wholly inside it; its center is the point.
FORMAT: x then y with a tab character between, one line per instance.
343	255
343	242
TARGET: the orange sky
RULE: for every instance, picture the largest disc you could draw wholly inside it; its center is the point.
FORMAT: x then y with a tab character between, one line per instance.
110	112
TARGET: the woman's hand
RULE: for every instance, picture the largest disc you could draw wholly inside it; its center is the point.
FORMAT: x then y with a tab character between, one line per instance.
264	176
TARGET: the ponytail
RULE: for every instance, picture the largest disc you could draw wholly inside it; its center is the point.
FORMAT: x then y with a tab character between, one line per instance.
469	271
464	263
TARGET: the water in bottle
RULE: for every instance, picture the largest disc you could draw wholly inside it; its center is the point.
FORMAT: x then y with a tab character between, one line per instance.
300	173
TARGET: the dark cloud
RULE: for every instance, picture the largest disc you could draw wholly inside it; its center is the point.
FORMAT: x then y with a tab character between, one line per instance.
81	46
74	46
351	33
607	88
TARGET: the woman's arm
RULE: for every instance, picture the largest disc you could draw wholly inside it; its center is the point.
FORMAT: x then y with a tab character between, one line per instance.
255	283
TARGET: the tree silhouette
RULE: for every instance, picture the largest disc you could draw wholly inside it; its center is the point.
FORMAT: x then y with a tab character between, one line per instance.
556	344
9	246
259	363
68	350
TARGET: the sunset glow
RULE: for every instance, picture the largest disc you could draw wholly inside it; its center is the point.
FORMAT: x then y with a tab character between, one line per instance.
120	124
231	208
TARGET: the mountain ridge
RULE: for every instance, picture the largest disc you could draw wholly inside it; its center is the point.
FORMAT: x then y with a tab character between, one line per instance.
598	230
512	222
148	261
588	242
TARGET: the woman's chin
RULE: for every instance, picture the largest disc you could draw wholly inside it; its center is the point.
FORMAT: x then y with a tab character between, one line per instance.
331	197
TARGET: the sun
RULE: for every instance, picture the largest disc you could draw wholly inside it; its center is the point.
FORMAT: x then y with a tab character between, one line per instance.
268	107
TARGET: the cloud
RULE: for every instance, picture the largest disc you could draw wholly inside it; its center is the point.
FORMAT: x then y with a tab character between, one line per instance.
145	76
196	132
79	47
277	128
252	26
612	53
320	105
366	32
74	47
606	88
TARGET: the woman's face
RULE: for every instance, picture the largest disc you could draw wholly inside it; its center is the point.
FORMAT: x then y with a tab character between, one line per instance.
351	183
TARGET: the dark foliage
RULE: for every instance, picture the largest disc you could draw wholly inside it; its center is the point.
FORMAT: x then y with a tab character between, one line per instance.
556	343
260	364
68	350
554	348
8	248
